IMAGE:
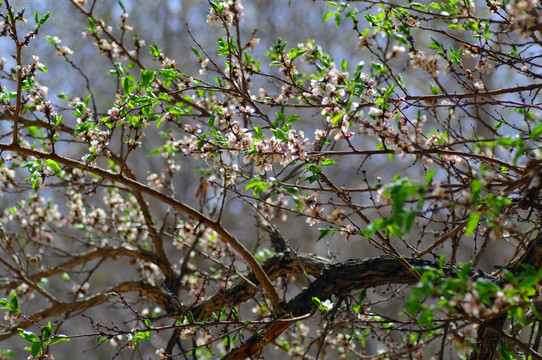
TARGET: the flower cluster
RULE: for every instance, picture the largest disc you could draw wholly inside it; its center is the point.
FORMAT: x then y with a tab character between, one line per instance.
310	206
395	52
109	48
158	181
229	173
125	217
331	86
525	14
46	108
96	138
123	24
75	206
473	305
266	152
226	12
35	214
7	178
275	207
262	152
429	64
208	240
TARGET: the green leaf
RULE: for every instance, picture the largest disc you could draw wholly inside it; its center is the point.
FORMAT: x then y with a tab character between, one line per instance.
434	89
436	45
80	128
388	91
190	317
320	69
87	99
294	54
536	132
472	223
147	77
412	305
536	313
290	190
327	16
475	188
486	290
316	301
14	303
429	175
258	184
258	132
59	338
426	318
418	6
8	352
315	173
400	38
45	17
362	295
46	332
324	232
279	134
40	21
128	85
235	312
328	162
36	348
255	181
28	335
372	228
503	352
5	304
53	165
155	51
57	119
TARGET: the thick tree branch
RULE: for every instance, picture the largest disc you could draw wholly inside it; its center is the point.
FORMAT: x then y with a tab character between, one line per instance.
340	279
280	265
275	267
161	297
488	337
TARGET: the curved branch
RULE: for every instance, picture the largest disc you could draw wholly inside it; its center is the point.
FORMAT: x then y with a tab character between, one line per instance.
489	332
340	279
277	266
136	186
280	265
83	258
161	297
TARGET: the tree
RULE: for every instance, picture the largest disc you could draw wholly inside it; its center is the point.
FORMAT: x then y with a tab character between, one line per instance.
379	199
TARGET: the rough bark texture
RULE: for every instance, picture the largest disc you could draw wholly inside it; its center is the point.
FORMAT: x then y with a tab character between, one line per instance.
339	279
488	337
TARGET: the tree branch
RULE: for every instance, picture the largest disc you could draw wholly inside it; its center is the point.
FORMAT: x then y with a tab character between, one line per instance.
340	279
177	205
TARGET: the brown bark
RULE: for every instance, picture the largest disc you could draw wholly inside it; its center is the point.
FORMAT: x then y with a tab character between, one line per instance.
338	279
488	337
